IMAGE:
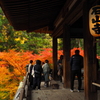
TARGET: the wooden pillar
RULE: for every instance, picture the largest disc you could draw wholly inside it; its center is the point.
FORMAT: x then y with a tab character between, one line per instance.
66	61
54	57
89	58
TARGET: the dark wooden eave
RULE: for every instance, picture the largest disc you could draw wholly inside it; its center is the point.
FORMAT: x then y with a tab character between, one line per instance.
72	16
31	15
46	16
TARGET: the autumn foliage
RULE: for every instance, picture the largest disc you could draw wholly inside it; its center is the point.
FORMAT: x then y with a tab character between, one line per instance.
72	52
13	68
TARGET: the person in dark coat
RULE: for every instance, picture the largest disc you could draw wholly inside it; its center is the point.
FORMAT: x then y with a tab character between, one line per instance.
60	68
29	70
60	71
76	63
36	72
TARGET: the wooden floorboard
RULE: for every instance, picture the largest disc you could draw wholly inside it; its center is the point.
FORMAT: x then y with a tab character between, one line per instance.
58	94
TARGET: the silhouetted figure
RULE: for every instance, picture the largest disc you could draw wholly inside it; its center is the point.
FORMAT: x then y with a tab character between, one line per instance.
60	68
76	63
36	73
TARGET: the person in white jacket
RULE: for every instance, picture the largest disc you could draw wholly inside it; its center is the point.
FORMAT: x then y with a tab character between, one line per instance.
29	70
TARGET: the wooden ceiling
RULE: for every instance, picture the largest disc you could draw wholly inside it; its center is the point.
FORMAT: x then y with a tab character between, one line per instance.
31	15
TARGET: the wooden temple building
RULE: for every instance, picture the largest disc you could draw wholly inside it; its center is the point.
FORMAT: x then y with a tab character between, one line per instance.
64	19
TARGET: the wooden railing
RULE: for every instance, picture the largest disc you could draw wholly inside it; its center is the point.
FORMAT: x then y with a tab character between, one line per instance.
96	84
22	91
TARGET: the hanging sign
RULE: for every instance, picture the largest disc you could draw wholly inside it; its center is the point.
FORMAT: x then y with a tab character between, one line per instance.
94	21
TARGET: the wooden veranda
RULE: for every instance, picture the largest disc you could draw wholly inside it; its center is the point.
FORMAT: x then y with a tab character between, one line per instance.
64	19
58	94
50	93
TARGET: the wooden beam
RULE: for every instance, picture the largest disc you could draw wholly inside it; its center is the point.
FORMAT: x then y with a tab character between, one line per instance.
96	84
76	32
66	51
54	57
89	58
70	17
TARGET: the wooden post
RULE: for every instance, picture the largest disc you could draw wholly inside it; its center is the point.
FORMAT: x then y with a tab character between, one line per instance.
66	61
89	58
54	57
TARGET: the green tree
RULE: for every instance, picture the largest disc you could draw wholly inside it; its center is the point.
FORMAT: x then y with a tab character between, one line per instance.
75	42
21	40
36	42
60	43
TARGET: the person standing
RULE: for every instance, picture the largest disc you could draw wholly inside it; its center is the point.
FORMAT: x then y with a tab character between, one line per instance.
29	70
60	71
76	62
36	73
46	70
60	68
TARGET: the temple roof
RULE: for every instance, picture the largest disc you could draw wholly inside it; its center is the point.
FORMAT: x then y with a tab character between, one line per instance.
32	15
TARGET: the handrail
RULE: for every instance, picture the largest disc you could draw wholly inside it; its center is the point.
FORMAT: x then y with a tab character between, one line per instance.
21	92
96	84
